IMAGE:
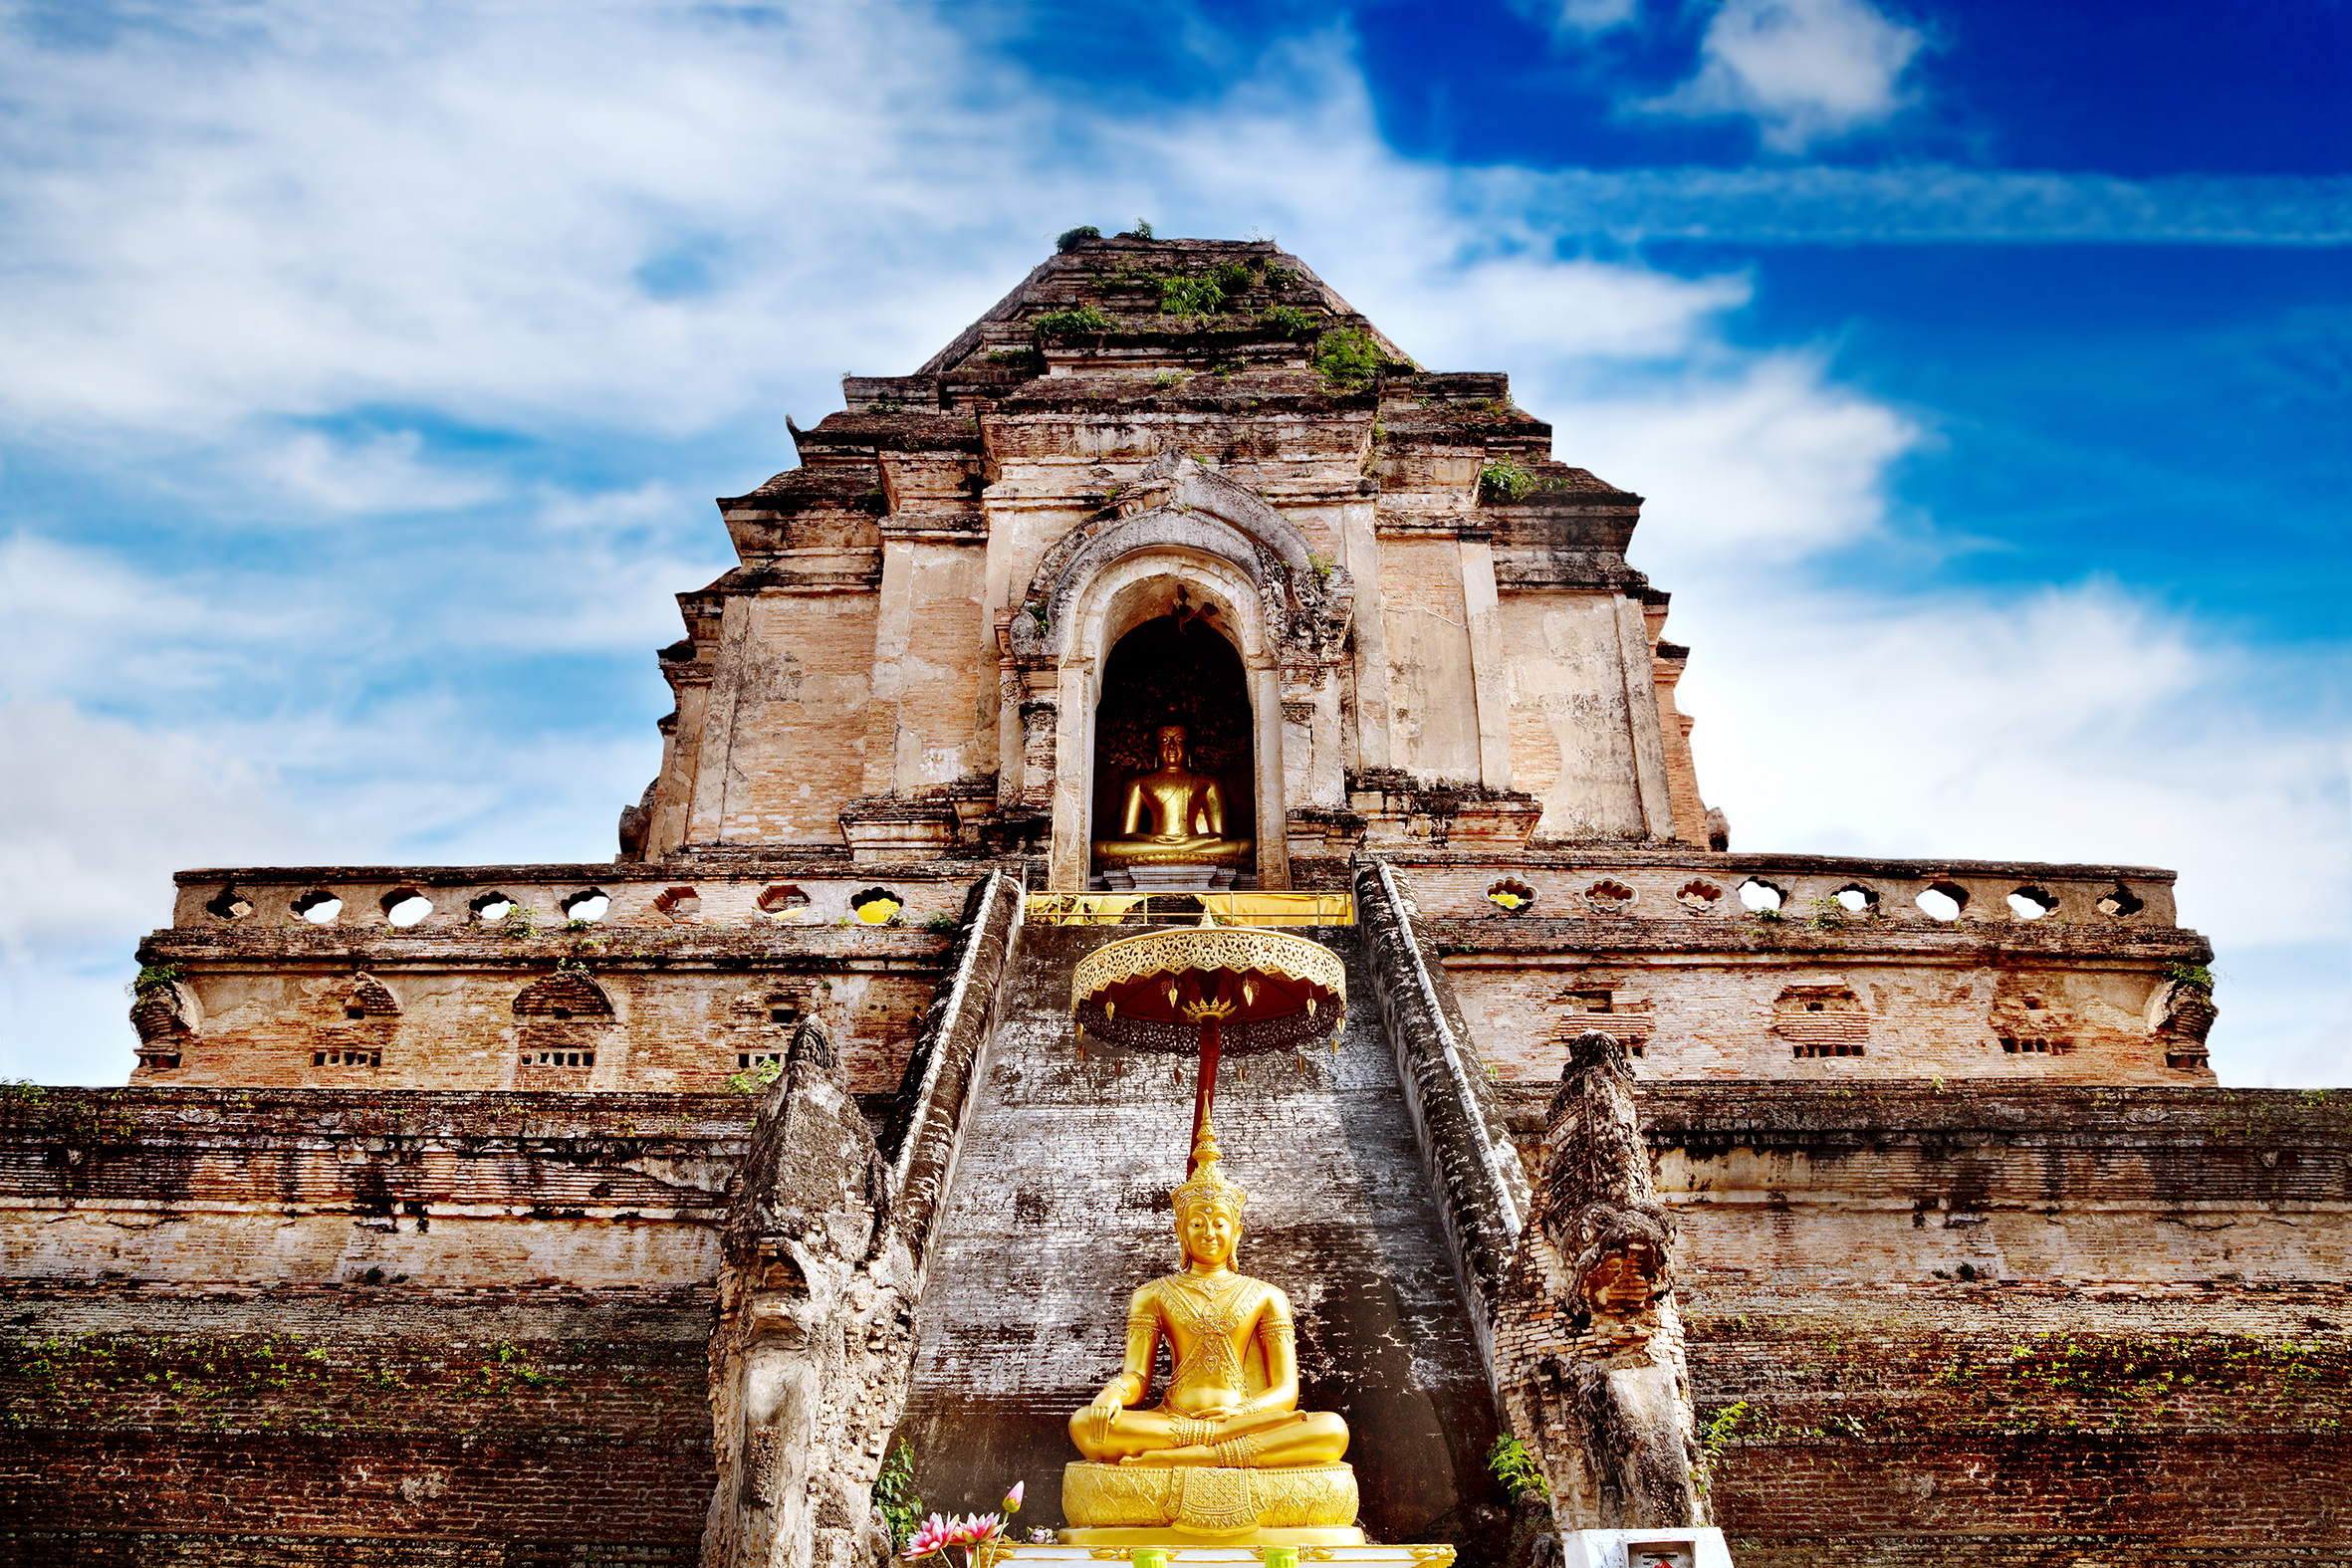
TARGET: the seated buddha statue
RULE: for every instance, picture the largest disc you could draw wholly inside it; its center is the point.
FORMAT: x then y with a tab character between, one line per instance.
1172	815
1233	1397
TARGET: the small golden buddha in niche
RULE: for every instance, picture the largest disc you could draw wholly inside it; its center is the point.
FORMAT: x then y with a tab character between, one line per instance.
1233	1399
1172	815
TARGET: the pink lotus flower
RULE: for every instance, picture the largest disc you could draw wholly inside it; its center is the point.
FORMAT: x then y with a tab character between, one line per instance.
937	1534
933	1536
1013	1497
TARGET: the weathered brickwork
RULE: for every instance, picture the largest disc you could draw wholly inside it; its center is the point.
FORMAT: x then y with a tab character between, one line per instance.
677	986
306	1425
1890	1182
474	1322
1924	1320
1659	951
794	680
1674	889
771	892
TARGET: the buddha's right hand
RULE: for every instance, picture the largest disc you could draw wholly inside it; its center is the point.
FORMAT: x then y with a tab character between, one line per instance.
1105	1411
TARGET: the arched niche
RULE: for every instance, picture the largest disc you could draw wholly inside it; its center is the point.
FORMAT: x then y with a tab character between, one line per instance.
1121	597
1177	668
1248	548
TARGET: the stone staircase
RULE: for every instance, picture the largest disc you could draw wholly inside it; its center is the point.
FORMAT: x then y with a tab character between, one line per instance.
1058	1209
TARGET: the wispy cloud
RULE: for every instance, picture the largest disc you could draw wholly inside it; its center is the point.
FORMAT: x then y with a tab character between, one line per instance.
1816	204
383	471
1579	17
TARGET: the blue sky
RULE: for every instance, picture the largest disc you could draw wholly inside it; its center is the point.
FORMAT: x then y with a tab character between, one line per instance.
368	371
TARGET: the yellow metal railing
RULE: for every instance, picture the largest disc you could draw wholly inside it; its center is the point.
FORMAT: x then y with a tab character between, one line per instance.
1186	909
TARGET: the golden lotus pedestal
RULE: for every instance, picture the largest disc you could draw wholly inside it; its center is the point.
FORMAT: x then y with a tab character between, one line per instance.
1208	1506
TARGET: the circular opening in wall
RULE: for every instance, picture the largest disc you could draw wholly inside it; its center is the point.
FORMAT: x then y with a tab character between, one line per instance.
1758	894
229	904
1511	895
319	907
2120	904
2031	903
875	905
1699	896
781	898
1609	894
1856	899
588	904
491	908
1942	902
406	906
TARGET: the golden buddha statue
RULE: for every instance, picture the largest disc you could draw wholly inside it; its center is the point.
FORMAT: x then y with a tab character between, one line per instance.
1172	816
1228	1453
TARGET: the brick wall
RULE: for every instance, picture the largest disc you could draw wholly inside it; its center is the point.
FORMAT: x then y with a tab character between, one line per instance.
1657	948
293	1327
663	1007
2213	1420
1990	1323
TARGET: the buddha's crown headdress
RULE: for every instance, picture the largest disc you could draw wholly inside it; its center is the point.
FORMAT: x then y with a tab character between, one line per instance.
1206	1185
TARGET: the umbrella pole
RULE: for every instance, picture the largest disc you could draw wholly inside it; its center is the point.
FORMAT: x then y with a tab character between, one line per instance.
1203	1092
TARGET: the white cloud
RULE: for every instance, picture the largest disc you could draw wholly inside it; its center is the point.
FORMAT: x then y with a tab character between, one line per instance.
1450	311
1805	71
383	472
2065	723
1756	461
97	824
429	206
112	808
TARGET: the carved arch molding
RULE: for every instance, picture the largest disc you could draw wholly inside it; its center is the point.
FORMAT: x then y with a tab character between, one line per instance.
1181	507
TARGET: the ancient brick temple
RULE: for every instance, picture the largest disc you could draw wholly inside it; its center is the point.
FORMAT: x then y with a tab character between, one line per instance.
625	1211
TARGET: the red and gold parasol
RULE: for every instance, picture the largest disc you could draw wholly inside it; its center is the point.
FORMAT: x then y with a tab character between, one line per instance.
1238	990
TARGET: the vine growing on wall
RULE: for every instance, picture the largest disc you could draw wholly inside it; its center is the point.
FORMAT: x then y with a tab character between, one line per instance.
894	1495
1714	1441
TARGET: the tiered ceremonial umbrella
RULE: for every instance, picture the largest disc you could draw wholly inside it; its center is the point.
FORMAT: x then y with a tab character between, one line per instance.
1217	991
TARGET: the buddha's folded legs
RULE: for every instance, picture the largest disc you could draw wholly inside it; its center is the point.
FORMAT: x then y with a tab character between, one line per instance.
1265	1439
1204	850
